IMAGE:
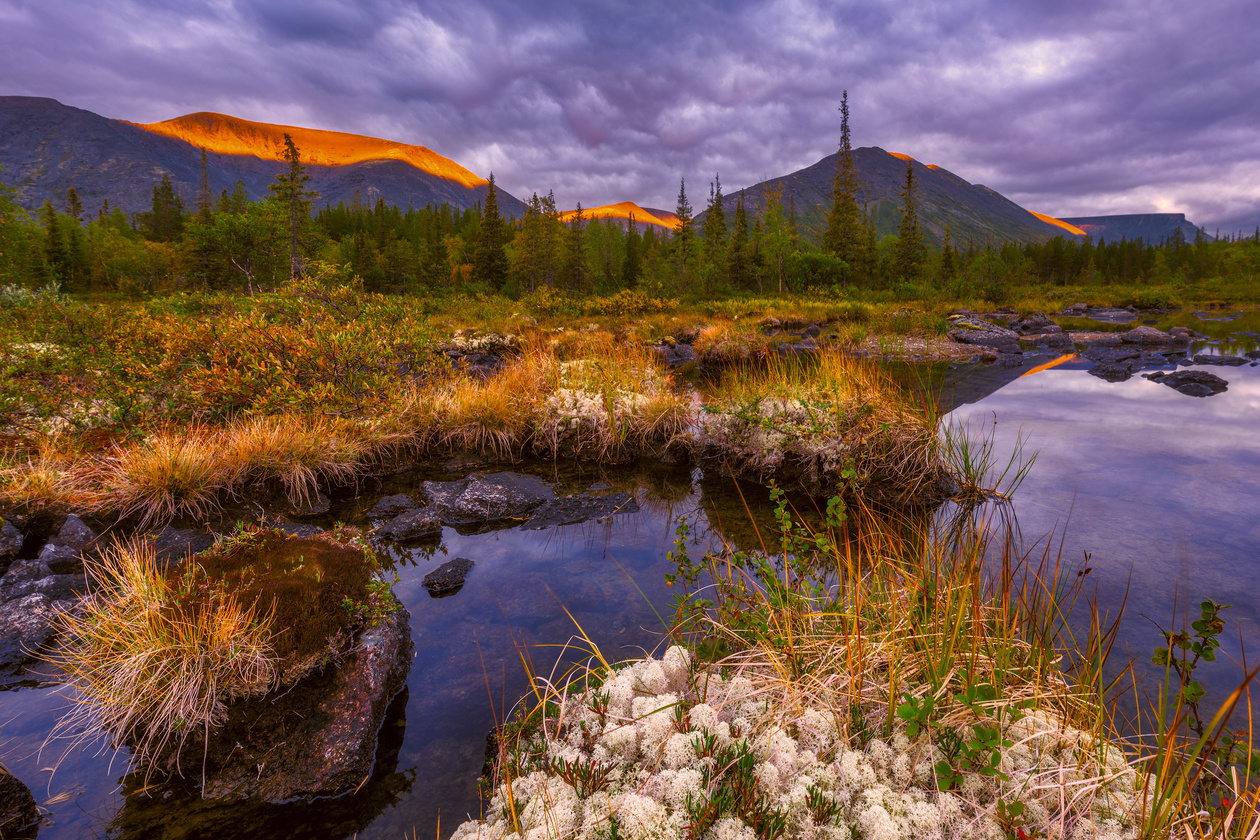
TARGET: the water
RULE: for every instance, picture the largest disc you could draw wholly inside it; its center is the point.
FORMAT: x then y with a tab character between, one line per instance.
1161	491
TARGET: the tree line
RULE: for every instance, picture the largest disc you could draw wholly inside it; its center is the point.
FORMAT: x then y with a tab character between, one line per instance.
230	242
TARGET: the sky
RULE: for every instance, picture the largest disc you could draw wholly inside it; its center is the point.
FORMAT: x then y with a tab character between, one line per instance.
1067	107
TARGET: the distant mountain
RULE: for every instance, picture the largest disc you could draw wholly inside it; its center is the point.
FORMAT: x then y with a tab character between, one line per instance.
1151	228
973	212
47	147
622	213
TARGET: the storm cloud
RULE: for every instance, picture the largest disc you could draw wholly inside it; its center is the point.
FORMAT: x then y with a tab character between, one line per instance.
1066	107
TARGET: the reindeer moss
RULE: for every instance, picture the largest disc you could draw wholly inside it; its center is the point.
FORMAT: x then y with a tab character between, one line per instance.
313	589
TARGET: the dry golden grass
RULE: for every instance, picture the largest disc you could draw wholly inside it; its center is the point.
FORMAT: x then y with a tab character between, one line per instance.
299	451
172	473
145	671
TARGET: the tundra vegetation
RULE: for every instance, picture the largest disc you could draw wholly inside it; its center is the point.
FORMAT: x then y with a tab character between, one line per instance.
871	678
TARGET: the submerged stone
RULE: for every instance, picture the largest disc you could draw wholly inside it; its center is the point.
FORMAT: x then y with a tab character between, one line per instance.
1192	383
390	506
448	578
19	815
571	510
410	526
1212	359
486	497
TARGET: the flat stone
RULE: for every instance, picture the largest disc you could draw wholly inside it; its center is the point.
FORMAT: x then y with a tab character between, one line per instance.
1111	371
570	510
410	526
316	505
1145	335
27	624
1213	359
807	345
174	545
1110	353
1192	383
390	506
448	578
1049	341
486	497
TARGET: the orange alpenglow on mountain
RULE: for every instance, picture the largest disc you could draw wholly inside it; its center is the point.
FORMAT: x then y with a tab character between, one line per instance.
623	211
1051	220
227	135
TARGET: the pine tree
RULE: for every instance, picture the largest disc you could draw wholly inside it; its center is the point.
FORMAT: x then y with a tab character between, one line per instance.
740	264
165	220
948	268
684	241
576	273
205	198
844	235
490	264
910	248
631	265
714	231
290	192
55	256
74	207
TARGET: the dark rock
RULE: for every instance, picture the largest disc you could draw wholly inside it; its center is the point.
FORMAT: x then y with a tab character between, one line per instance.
486	497
1213	359
1050	341
1253	354
1146	335
174	545
1036	323
807	345
27	624
1192	383
410	526
1111	371
390	506
813	331
318	738
61	559
21	572
1111	315
1008	360
293	529
11	540
19	814
977	331
1076	309
570	510
316	505
1106	353
448	578
675	354
74	533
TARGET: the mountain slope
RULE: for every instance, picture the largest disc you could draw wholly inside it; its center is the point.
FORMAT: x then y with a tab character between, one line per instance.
622	212
973	212
1152	228
47	147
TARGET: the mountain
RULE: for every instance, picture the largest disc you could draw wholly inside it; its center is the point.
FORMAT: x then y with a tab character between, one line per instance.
47	147
973	212
622	212
1151	228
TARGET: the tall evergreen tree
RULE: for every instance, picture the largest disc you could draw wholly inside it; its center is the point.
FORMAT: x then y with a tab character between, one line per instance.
165	221
576	272
631	265
949	267
740	259
205	198
910	247
290	192
490	263
684	241
844	235
55	255
715	230
74	206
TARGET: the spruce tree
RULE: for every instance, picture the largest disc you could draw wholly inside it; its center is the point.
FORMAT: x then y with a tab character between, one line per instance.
631	265
740	264
910	248
714	230
74	206
844	235
949	270
205	198
290	192
684	241
165	220
576	274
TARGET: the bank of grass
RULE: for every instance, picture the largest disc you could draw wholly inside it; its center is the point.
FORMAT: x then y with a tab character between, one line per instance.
872	680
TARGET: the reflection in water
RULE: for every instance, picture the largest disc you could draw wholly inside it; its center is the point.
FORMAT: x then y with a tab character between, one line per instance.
1160	490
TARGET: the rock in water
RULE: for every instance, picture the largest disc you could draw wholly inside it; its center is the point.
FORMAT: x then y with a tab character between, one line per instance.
410	526
977	331
1212	359
390	506
1192	383
448	578
19	815
317	738
571	510
486	497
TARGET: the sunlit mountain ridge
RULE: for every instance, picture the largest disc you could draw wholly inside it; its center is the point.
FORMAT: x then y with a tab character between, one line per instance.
623	212
227	135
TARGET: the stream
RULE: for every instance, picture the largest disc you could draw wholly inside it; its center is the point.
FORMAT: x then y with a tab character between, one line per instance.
1158	492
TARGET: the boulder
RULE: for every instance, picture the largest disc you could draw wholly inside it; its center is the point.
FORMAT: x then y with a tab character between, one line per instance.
74	533
570	510
1213	359
976	331
27	625
410	526
390	506
11	540
675	354
63	553
1111	371
448	578
1035	323
1146	335
316	505
807	345
1192	383
486	497
813	331
317	738
19	815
